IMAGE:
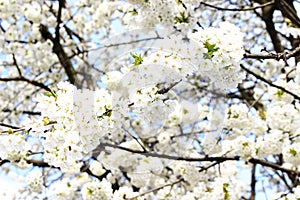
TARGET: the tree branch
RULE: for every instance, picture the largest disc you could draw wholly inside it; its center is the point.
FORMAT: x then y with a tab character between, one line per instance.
32	82
21	111
62	56
278	56
58	20
269	82
10	126
253	182
235	9
156	189
274	166
208	159
267	16
164	156
36	163
288	11
168	88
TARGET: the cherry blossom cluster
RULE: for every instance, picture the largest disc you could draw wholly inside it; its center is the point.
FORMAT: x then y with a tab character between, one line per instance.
74	121
167	13
213	53
15	147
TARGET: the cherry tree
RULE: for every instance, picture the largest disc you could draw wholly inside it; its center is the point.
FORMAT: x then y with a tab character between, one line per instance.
150	99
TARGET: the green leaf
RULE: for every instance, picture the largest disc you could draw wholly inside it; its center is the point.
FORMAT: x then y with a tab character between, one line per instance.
211	49
208	189
51	93
90	191
245	144
235	116
26	132
107	113
133	12
279	93
182	18
226	192
137	59
227	67
293	152
185	111
46	121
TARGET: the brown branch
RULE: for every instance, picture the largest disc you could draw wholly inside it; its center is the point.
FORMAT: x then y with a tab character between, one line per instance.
21	41
209	159
39	163
70	32
16	64
260	56
267	16
285	181
32	82
61	54
9	126
36	163
164	156
126	43
235	9
2	28
295	42
58	20
288	11
156	189
3	161
247	95
269	82
210	166
21	111
277	56
168	88
273	166
22	78
253	182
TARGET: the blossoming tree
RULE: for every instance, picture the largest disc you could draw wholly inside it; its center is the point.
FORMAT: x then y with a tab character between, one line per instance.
150	99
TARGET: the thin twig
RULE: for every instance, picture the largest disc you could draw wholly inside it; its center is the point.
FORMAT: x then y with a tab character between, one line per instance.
269	82
32	82
253	182
278	56
235	9
164	156
156	189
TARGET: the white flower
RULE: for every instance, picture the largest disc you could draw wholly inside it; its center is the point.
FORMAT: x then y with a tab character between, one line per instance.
97	190
112	79
291	154
295	32
271	143
96	168
35	181
14	147
63	190
150	164
80	118
164	137
32	12
283	116
192	112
